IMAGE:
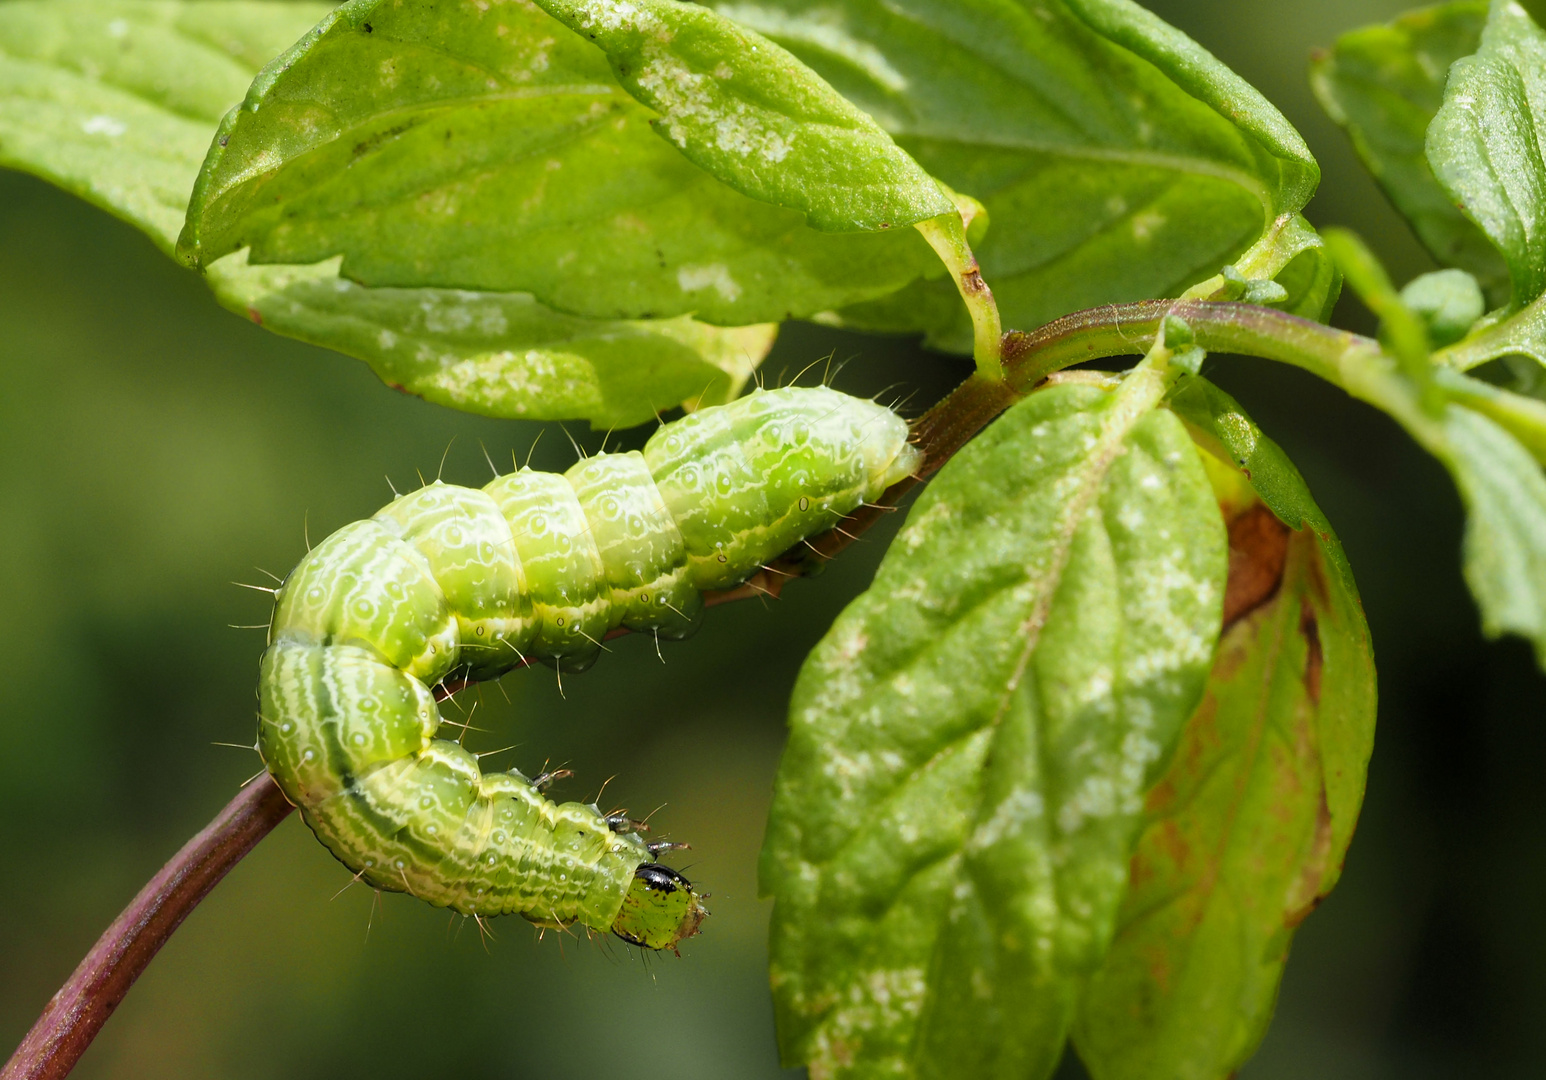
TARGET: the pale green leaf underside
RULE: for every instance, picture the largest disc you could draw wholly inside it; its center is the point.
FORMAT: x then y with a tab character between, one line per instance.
752	115
487	147
1493	443
499	354
971	742
116	100
1247	829
1488	141
1117	160
1505	538
1384	84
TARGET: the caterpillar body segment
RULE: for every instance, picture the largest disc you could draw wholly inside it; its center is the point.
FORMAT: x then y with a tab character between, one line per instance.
459	581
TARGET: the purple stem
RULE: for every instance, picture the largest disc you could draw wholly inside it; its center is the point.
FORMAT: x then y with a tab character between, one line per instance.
80	1008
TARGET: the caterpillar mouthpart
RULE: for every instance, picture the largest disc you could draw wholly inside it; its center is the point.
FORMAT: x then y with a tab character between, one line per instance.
660	910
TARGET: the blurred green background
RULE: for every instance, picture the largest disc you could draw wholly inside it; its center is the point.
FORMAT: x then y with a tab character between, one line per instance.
154	448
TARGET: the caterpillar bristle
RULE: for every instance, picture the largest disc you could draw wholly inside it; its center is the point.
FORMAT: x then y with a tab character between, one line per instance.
460	739
698	400
237	746
485	933
351	883
578	453
532	449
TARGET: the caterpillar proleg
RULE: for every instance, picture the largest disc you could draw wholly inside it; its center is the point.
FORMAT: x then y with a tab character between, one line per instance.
454	581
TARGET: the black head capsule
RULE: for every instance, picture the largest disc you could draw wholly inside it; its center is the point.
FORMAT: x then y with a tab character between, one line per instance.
660	910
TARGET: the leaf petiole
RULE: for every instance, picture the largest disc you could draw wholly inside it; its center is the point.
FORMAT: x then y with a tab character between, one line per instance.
946	234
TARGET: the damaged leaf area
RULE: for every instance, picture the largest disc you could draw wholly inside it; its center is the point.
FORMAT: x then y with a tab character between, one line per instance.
971	743
1247	829
484	146
751	114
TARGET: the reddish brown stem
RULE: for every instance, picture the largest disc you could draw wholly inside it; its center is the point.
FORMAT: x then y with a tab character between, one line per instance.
83	1004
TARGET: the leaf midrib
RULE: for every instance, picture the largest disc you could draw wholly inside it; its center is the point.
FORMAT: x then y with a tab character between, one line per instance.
1123	416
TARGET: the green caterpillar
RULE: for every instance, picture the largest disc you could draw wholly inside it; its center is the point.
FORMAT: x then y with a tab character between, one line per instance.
453	581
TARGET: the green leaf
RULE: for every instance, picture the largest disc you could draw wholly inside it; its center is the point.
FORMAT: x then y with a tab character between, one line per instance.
1289	268
752	115
458	147
1221	426
1488	139
1247	829
115	101
1117	159
1384	84
1521	415
1505	538
1449	302
1488	146
1520	334
1492	441
971	741
499	354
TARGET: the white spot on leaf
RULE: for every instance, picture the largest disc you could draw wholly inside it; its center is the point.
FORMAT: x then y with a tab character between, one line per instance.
104	125
716	276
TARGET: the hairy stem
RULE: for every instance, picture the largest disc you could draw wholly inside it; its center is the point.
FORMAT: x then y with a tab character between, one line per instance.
78	1011
80	1008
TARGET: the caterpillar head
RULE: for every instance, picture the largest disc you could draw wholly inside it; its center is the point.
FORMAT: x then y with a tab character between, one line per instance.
660	910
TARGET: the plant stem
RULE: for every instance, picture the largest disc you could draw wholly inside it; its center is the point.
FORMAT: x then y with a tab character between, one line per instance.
83	1004
76	1013
1347	360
